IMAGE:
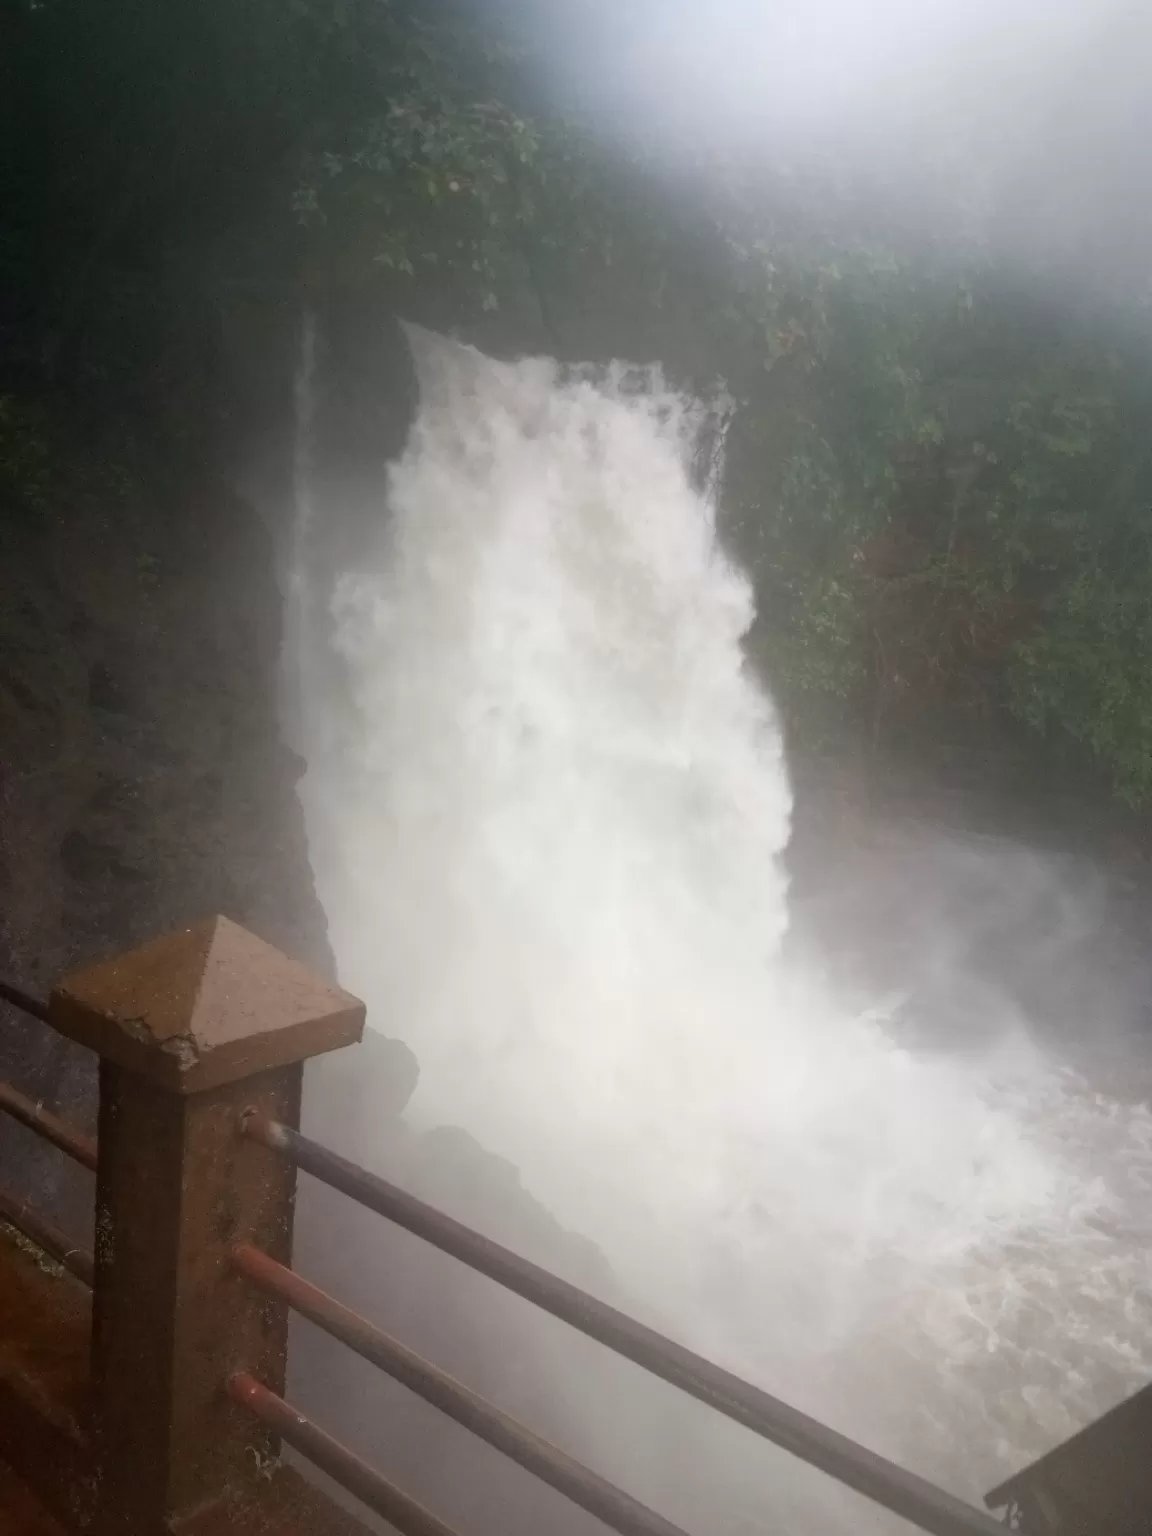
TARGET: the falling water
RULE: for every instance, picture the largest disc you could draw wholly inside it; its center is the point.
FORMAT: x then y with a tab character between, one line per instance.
302	644
553	840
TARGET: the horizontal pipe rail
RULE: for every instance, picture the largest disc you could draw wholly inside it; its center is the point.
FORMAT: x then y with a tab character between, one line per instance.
368	1485
77	1261
48	1125
610	1504
904	1493
10	993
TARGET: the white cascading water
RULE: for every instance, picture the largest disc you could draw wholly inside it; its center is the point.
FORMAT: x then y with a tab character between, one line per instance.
552	835
301	644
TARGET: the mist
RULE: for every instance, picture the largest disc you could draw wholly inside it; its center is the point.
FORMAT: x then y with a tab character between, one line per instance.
847	1122
620	532
1017	128
756	72
549	810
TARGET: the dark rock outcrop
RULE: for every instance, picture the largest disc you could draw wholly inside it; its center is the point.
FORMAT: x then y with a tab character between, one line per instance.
143	780
145	784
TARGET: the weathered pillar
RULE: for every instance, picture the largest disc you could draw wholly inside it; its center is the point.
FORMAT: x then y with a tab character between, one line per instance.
191	1030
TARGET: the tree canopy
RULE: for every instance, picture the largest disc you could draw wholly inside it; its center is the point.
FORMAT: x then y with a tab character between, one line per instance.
940	471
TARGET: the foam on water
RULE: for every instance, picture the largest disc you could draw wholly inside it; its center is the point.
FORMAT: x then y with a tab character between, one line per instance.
553	832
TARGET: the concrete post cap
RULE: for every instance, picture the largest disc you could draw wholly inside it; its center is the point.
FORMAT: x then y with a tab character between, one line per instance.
207	1006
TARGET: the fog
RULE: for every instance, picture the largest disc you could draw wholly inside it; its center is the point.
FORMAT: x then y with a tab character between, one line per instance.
762	73
851	1142
549	810
1018	125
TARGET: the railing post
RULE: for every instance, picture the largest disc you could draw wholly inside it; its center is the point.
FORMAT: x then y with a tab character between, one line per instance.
191	1030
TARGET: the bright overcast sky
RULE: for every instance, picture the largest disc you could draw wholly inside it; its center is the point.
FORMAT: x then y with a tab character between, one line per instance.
1040	106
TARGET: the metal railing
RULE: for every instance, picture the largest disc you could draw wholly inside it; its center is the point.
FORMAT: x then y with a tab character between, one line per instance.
584	1487
17	1213
81	1148
49	1239
203	1121
354	1475
25	1001
902	1492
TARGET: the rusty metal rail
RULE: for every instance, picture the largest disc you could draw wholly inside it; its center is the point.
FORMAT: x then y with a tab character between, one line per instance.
170	1161
69	1140
11	993
883	1481
65	1137
368	1485
49	1239
612	1505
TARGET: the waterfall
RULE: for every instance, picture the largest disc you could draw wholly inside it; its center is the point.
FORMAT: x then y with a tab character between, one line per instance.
552	853
302	643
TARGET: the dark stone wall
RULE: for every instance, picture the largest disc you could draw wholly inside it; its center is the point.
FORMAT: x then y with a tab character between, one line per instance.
144	781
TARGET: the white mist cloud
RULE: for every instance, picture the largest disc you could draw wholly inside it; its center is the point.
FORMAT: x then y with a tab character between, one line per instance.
552	837
1029	117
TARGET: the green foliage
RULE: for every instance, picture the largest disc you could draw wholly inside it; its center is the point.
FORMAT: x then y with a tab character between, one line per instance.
47	461
1086	672
941	484
430	182
960	517
25	457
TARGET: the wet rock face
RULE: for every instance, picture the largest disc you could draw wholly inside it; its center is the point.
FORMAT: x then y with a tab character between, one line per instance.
143	781
145	784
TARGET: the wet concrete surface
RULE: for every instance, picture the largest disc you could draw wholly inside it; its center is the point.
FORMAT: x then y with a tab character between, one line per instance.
20	1513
